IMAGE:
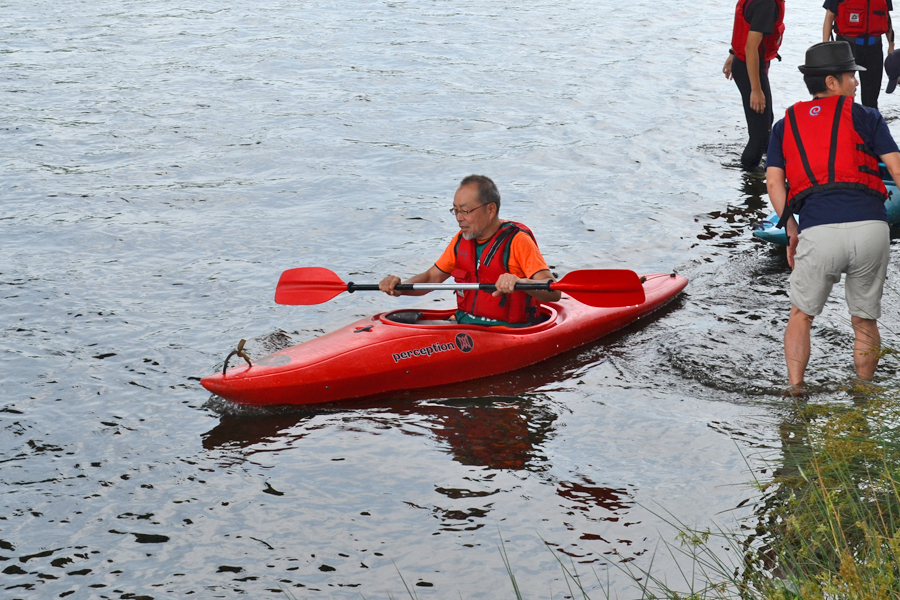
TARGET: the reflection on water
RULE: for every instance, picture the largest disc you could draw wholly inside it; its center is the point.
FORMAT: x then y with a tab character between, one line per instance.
245	431
738	218
491	432
494	434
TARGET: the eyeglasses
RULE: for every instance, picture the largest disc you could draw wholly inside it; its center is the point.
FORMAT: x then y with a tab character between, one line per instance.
455	211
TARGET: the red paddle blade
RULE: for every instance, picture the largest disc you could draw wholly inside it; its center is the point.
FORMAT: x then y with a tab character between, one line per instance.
603	288
308	285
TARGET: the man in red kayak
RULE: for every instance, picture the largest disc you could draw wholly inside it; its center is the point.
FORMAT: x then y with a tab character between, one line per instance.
487	250
823	165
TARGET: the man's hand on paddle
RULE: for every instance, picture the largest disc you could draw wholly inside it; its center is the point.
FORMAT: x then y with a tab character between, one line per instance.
432	275
388	284
506	284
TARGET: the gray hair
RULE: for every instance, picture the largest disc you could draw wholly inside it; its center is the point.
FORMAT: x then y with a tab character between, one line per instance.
487	189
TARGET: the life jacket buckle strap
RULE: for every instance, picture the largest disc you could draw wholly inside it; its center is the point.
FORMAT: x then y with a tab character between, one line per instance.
512	230
869	170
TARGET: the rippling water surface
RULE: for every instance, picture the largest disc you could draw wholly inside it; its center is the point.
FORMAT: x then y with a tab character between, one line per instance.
162	164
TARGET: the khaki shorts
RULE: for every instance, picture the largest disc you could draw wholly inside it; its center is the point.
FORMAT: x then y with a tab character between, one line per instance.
860	249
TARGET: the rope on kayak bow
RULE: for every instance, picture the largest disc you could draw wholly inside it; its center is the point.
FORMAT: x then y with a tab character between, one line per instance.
760	225
239	351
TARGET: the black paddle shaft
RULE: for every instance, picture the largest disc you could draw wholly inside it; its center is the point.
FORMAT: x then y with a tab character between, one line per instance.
484	287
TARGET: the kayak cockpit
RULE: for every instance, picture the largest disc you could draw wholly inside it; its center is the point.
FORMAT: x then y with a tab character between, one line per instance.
415	318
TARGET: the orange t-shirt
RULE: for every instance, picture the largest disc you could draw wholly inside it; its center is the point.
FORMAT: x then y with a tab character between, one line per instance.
524	257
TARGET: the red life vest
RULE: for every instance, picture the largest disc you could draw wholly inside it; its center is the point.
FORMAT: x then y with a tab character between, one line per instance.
822	151
861	18
517	307
770	43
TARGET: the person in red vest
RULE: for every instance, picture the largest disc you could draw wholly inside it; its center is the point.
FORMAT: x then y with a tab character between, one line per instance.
861	23
487	250
822	164
755	39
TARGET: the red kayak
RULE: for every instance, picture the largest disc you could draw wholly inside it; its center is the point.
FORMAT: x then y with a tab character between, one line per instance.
413	349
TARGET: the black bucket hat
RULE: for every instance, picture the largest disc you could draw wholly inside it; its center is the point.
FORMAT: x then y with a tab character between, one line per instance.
892	70
829	58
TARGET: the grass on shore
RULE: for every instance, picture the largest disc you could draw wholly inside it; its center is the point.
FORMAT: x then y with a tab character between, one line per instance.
827	525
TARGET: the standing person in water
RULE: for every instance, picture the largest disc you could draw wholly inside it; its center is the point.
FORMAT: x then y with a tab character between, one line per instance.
861	23
487	250
755	39
823	165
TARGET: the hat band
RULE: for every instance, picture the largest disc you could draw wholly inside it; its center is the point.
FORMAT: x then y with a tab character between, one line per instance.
843	67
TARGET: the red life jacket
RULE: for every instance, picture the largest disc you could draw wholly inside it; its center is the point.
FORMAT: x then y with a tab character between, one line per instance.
770	43
517	307
823	151
861	18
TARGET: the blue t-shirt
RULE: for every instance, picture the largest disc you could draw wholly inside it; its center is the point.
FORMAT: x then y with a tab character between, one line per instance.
841	206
